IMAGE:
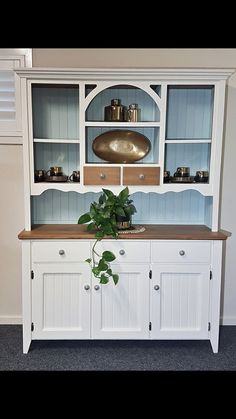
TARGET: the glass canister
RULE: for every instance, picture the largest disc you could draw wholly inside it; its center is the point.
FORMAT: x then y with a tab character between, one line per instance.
133	113
115	111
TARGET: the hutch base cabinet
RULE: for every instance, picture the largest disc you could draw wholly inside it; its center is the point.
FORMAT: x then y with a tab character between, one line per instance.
169	157
168	288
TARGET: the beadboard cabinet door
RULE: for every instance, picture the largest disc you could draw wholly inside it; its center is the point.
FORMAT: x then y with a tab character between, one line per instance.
180	301
122	311
61	294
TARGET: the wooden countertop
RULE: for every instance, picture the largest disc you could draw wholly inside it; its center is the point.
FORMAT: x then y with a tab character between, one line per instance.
152	231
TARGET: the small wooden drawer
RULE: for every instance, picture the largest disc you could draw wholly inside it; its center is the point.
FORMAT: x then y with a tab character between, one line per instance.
129	251
181	251
105	175
60	251
141	176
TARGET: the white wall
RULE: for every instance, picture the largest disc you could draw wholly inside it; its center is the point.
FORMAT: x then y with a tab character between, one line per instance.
11	208
11	222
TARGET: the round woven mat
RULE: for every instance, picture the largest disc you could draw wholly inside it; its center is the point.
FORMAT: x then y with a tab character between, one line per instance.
133	230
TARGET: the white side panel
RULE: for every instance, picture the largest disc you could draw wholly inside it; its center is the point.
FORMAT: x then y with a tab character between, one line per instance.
122	311
215	293
179	308
61	305
26	295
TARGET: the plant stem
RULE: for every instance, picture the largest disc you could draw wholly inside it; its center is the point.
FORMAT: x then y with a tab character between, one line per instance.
94	252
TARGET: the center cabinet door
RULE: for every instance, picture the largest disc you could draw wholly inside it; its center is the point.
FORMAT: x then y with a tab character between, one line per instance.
122	311
61	297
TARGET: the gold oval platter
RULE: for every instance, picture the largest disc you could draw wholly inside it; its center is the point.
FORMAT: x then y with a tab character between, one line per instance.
121	146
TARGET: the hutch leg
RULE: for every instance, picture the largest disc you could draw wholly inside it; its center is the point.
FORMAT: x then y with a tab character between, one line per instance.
26	295
215	293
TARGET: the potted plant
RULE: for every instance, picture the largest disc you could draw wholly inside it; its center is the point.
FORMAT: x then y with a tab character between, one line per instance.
107	216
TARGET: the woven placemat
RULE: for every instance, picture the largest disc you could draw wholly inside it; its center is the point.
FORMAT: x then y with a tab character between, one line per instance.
133	230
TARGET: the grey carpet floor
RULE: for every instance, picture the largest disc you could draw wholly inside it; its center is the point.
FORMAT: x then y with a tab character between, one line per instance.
116	355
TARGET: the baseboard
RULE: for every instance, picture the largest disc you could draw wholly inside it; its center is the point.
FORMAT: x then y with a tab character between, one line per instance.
10	320
228	321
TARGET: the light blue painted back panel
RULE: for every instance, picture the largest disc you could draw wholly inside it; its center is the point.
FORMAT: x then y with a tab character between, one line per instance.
189	113
149	109
188	207
55	112
151	133
195	156
65	155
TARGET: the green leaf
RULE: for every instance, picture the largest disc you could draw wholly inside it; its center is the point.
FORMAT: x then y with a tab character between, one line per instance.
109	272
130	210
115	278
99	234
108	256
108	229
85	218
89	260
104	279
91	226
120	211
102	265
108	193
123	195
96	271
102	199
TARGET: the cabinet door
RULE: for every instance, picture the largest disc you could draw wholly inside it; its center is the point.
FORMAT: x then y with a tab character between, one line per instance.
61	301
180	301
122	311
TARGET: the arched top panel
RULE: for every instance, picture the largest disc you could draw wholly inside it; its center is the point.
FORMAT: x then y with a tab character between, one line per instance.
148	101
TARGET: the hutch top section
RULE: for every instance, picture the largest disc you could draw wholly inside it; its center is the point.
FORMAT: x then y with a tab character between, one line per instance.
167	140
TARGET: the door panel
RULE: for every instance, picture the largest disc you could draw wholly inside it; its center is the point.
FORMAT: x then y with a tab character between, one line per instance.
122	311
61	304
180	307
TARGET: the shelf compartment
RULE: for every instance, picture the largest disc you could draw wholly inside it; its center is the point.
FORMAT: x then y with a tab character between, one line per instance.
188	207
189	112
151	133
54	154
195	156
55	111
128	94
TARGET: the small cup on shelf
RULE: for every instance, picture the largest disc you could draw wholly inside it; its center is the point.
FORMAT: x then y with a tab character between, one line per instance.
55	171
39	175
75	176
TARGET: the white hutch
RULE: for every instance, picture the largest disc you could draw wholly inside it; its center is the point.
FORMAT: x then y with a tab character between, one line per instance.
170	275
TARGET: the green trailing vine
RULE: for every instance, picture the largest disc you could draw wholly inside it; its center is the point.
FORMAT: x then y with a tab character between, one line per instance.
102	218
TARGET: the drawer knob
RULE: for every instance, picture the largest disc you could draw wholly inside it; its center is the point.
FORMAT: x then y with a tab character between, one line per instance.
96	287
141	176
86	287
156	287
182	252
102	176
121	252
61	252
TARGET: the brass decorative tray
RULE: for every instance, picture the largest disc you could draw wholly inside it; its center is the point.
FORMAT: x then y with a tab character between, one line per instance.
184	179
56	178
121	146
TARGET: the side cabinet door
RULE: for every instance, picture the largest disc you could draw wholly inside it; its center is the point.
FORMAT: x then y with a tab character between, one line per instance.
61	301
180	301
122	311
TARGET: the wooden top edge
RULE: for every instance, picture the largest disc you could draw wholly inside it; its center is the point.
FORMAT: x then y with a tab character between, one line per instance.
152	231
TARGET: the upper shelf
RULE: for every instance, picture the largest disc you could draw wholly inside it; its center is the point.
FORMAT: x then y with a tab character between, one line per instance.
122	124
